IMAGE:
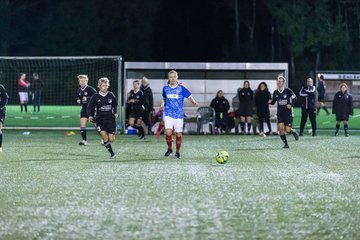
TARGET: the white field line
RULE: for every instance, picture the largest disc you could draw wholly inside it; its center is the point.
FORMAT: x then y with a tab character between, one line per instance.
34	117
19	117
65	116
327	122
356	116
50	117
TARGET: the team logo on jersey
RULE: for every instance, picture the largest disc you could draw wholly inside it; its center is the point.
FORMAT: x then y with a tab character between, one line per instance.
176	96
85	93
110	100
99	100
285	96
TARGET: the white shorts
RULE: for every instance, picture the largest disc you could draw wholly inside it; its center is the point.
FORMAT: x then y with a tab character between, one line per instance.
24	96
171	123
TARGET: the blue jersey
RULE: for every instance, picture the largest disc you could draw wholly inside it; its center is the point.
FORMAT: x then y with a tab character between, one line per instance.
174	100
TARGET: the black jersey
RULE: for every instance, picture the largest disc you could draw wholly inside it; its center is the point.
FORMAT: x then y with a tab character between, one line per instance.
102	106
84	95
4	97
246	95
283	98
139	100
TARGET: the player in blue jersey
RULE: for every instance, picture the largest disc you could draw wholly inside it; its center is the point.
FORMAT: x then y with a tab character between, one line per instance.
173	106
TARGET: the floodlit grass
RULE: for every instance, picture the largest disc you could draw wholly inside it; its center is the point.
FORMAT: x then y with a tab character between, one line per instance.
51	188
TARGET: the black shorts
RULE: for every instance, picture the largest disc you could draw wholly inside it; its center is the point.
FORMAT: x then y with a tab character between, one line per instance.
83	113
246	109
285	118
342	117
136	113
321	98
106	124
2	116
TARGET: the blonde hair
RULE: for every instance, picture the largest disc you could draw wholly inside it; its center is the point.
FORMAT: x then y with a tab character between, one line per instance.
83	76
104	80
173	72
282	77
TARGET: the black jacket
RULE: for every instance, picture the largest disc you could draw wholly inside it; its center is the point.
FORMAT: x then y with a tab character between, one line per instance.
308	96
343	105
148	98
262	103
245	95
220	104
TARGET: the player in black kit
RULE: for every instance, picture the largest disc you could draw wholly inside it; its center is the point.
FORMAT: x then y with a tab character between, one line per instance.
4	97
136	102
102	110
343	107
285	99
84	93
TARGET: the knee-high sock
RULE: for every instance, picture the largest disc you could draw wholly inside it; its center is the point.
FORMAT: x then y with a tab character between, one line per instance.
248	126
21	107
242	126
325	109
178	143
169	141
283	138
337	127
83	133
346	127
25	105
1	139
107	145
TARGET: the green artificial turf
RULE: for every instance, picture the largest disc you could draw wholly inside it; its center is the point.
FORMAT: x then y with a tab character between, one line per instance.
51	188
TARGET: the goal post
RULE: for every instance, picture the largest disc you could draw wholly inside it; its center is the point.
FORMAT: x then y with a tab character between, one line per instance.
59	109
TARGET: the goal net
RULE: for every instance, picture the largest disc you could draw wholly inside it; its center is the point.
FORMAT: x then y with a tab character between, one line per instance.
58	106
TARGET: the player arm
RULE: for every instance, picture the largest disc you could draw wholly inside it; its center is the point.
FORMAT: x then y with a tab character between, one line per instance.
273	100
303	92
91	107
115	105
188	95
4	97
351	106
163	100
151	101
293	99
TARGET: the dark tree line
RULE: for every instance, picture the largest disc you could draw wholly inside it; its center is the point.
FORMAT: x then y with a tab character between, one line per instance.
308	34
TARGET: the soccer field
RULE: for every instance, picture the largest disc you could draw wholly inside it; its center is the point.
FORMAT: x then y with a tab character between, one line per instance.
51	188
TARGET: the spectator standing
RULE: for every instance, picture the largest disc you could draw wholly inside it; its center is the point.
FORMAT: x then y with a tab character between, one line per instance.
308	107
342	107
148	103
245	107
36	89
23	89
262	98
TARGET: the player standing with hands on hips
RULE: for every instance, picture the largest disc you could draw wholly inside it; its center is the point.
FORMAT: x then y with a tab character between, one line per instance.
173	105
285	99
102	110
84	94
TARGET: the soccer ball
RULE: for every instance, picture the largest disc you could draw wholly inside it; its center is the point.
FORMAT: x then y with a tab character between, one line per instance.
222	157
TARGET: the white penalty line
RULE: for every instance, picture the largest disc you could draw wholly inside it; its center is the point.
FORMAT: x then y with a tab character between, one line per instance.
327	122
65	116
356	116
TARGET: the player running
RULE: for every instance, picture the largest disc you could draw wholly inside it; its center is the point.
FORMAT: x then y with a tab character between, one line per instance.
285	99
136	102
173	106
4	97
84	93
102	110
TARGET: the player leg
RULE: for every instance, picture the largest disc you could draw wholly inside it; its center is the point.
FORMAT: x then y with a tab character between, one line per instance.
268	124
83	132
169	125
346	128
281	129
337	127
242	125
248	121
133	125
312	117
26	101
304	116
288	127
107	143
179	123
21	97
141	129
261	126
